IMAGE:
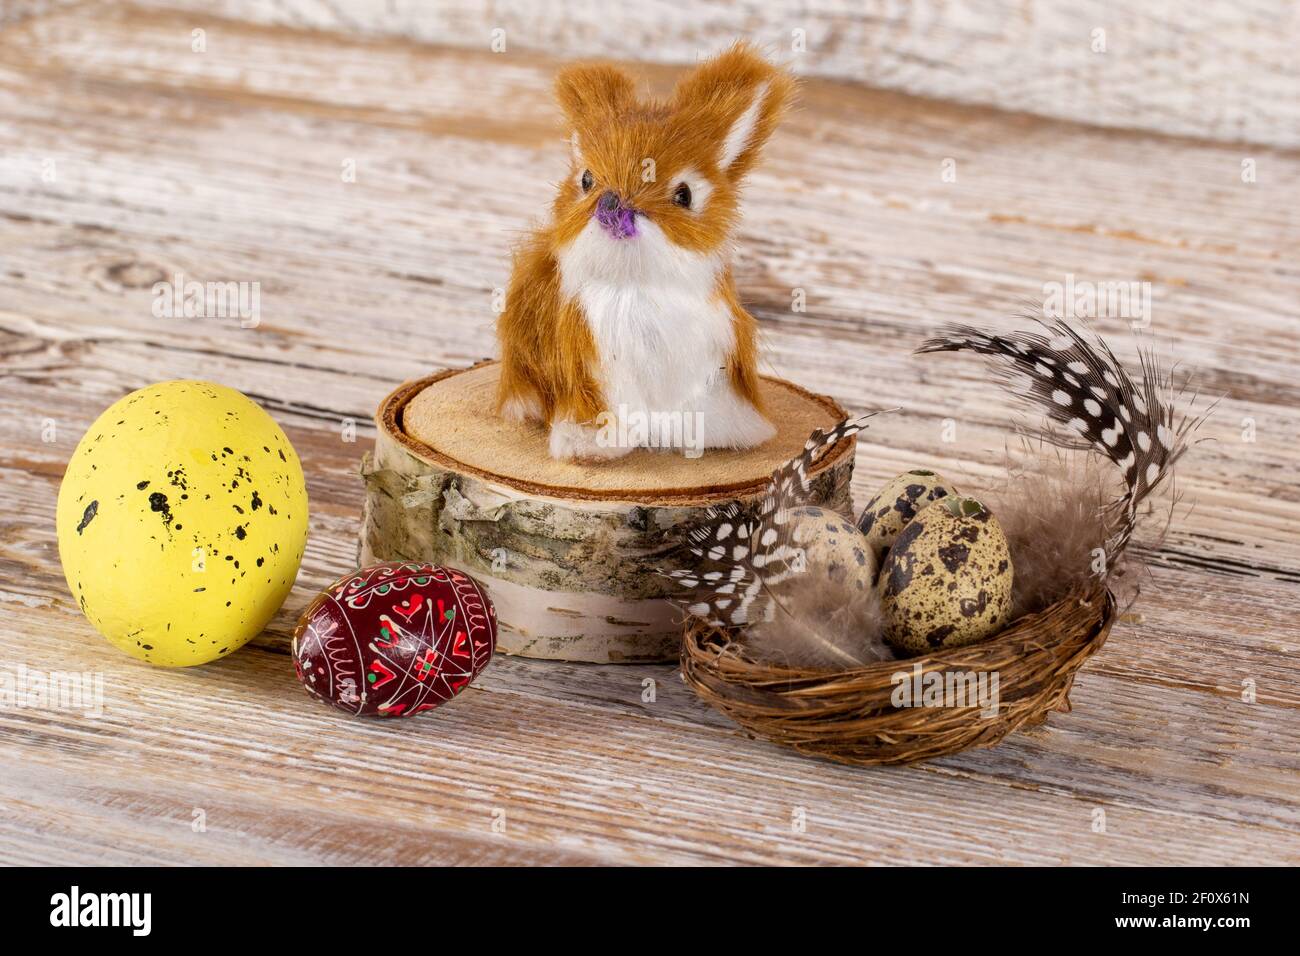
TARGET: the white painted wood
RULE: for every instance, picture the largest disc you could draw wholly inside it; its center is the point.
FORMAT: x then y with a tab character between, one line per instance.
1218	69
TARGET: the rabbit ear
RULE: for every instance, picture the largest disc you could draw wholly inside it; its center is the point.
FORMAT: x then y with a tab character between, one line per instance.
593	91
735	101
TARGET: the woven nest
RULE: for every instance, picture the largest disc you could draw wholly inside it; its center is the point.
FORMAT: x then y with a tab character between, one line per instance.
849	716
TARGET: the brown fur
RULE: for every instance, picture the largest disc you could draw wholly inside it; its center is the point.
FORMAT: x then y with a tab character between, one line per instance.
548	353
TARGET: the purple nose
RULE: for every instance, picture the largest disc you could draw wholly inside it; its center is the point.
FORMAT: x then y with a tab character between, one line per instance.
617	219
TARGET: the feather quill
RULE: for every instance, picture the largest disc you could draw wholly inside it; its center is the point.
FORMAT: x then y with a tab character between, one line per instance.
1076	381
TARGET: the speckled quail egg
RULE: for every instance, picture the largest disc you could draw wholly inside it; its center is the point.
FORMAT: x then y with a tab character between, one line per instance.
897	503
947	579
828	545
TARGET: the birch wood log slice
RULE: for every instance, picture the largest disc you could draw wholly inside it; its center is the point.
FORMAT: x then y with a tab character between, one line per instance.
567	551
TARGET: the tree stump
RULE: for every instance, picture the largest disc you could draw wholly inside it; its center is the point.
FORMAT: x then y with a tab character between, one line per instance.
567	552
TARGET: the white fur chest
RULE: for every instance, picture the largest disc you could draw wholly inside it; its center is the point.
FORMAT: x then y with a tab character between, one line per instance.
662	333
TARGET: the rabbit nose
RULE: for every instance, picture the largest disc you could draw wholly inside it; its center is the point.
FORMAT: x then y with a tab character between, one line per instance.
614	217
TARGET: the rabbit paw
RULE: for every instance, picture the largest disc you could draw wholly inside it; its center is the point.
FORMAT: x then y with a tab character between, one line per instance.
571	441
521	408
730	421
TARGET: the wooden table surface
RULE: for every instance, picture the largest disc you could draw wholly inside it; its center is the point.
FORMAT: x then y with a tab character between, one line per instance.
126	158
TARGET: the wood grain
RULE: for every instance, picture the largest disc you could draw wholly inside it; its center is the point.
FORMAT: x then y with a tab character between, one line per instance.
455	417
1223	70
125	158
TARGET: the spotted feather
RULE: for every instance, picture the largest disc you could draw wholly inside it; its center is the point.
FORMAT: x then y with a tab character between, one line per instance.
1077	382
741	552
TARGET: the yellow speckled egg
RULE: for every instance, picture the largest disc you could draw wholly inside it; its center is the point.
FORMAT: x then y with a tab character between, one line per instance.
888	513
947	579
182	520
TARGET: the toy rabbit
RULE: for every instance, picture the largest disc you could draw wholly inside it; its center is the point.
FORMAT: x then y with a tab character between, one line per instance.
621	311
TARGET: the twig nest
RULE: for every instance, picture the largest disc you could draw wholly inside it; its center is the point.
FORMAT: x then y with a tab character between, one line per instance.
947	579
897	503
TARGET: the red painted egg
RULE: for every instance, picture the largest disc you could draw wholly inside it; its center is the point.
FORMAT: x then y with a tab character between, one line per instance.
393	640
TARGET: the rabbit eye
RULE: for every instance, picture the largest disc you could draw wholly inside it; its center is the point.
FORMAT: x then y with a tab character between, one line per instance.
682	196
586	180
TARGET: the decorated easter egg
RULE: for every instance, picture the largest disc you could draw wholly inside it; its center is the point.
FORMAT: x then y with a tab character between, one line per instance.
182	519
394	640
897	503
947	579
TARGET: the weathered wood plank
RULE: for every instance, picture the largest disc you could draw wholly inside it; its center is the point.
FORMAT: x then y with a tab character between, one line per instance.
1217	70
646	788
